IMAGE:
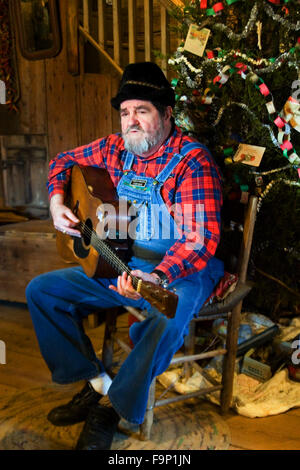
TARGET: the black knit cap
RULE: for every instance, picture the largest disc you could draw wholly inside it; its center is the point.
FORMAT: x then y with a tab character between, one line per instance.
144	81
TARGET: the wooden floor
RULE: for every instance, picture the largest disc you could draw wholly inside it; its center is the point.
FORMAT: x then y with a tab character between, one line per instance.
25	370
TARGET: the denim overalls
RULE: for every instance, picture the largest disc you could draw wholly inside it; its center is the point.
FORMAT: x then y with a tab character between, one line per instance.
58	301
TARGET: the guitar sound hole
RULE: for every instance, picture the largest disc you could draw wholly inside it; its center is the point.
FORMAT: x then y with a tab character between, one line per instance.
87	232
82	245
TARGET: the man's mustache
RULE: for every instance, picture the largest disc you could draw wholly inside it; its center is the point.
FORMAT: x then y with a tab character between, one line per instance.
135	127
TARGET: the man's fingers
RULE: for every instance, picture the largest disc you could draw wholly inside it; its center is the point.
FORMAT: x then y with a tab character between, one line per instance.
119	285
72	216
137	272
129	285
65	220
124	287
68	231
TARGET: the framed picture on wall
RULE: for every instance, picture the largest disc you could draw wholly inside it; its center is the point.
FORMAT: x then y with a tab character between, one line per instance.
37	24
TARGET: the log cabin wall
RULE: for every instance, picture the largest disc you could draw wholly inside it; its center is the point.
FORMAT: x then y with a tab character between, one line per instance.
65	100
57	112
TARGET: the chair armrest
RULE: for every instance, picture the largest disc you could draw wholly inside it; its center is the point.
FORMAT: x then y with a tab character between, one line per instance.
224	306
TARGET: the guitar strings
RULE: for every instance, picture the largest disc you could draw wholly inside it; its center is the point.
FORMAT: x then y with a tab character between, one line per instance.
108	252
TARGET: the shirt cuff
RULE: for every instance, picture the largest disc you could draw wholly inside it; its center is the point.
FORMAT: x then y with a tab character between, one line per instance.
164	271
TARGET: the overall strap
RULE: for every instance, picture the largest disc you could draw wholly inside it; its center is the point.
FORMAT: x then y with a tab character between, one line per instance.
165	173
191	146
128	161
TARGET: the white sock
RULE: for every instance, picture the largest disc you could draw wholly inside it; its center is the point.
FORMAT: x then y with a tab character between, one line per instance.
101	383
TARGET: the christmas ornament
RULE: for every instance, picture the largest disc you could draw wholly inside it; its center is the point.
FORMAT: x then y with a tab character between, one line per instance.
291	113
249	154
184	121
196	40
259	30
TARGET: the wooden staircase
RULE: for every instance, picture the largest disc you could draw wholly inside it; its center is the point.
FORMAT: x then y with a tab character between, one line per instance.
122	31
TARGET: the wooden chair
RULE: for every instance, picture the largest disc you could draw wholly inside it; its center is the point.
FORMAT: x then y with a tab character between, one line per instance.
230	307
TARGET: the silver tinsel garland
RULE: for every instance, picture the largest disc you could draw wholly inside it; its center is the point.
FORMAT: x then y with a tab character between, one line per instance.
179	58
271	185
249	26
251	113
269	10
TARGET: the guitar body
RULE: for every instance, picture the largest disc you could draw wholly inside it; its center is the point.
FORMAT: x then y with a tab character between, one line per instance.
92	197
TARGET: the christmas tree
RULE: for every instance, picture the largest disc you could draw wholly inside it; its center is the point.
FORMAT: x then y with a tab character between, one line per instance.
237	87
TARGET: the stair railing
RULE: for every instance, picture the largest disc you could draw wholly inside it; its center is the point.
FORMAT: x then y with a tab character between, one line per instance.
100	42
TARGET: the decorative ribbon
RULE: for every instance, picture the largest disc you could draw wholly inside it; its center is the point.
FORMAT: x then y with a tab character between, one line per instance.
278	2
218	7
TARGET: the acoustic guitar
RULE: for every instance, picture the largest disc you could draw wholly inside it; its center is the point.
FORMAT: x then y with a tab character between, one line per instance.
101	252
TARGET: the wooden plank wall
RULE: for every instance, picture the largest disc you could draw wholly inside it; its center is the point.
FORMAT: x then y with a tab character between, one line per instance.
69	110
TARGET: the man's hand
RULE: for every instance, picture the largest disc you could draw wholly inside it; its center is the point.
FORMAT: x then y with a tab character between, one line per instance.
63	217
124	285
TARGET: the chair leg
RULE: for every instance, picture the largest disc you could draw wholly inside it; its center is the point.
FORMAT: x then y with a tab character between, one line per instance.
230	358
189	349
145	427
108	342
94	320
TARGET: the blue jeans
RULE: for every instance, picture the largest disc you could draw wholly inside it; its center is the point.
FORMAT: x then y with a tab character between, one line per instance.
58	302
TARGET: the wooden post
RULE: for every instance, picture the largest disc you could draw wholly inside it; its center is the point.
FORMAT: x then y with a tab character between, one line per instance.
86	20
93	320
165	38
72	37
148	19
117	30
235	317
247	238
132	30
101	23
189	349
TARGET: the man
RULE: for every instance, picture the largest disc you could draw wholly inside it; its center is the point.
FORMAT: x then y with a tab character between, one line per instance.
163	173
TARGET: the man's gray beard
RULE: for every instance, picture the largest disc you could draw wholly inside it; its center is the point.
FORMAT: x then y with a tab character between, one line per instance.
143	145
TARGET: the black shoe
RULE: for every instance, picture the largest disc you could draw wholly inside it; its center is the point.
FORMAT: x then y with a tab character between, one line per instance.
99	429
77	409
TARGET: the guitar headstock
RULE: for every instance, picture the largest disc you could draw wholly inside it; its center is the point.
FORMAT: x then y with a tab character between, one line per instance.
162	299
